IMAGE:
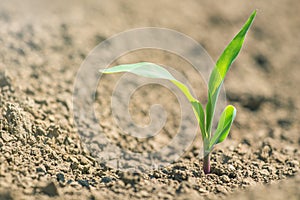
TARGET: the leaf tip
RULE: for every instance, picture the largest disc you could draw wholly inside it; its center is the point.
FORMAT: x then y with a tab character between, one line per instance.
232	109
252	16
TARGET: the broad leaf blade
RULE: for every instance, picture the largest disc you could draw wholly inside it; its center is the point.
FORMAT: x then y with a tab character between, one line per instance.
228	56
222	66
146	69
151	70
224	126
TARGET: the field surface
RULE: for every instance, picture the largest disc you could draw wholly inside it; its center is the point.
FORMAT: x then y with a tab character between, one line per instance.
44	43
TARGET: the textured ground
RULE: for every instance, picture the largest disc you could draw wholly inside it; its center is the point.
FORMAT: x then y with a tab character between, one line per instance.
45	42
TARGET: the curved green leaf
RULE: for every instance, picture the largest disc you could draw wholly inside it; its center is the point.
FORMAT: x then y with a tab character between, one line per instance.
222	66
146	69
151	70
199	112
224	126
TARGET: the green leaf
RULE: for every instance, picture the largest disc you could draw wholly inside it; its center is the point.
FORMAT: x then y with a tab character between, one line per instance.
222	66
146	69
151	70
199	112
224	126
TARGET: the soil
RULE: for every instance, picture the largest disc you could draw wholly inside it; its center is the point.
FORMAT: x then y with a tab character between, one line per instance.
45	42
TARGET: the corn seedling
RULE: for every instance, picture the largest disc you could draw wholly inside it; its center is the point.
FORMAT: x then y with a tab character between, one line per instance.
204	116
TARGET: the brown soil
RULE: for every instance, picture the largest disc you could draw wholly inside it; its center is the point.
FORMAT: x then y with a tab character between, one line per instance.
45	42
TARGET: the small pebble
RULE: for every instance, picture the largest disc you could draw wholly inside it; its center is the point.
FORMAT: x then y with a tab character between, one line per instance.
60	177
231	167
83	160
203	191
84	183
221	189
5	136
248	181
225	179
293	163
265	172
40	131
106	179
50	190
144	193
40	170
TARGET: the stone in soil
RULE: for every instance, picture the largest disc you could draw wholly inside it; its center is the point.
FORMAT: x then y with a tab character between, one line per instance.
50	190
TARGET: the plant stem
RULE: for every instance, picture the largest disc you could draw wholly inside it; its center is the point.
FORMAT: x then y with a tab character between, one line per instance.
206	162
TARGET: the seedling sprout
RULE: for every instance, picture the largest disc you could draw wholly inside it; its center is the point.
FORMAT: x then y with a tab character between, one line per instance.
204	116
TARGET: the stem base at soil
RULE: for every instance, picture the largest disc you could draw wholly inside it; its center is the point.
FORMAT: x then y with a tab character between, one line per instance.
206	163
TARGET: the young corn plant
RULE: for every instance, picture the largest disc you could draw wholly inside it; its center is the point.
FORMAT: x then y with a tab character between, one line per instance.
204	116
